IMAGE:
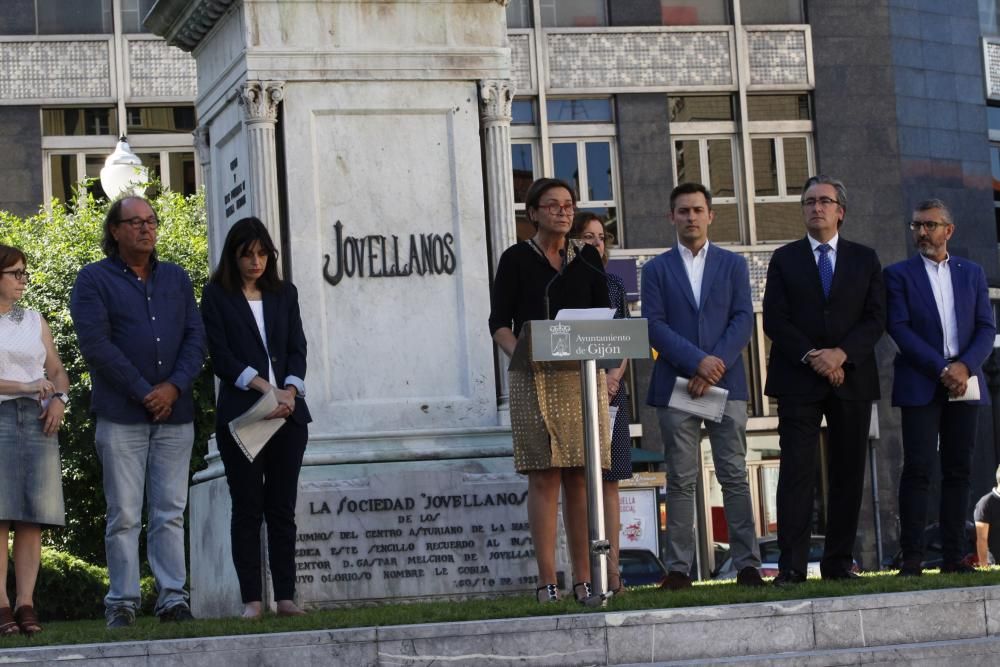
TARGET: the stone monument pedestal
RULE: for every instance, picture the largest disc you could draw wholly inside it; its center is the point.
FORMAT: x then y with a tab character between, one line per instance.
358	132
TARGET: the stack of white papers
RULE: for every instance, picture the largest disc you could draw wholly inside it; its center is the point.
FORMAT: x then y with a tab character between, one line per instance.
971	390
251	430
711	405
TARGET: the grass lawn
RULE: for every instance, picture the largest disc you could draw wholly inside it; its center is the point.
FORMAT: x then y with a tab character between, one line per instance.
708	593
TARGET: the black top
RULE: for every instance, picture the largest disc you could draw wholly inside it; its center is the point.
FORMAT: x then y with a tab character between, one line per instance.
522	274
988	511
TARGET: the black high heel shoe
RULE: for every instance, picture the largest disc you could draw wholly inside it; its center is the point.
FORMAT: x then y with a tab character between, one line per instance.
551	593
587	591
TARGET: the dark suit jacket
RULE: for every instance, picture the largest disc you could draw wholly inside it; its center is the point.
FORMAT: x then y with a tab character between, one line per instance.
235	343
684	332
915	325
797	318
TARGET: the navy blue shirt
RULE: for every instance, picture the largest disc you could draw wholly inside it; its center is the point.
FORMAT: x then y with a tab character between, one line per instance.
135	334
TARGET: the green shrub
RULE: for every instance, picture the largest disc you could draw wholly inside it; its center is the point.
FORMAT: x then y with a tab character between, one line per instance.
58	242
71	589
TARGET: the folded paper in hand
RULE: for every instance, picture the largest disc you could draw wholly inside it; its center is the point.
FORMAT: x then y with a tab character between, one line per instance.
251	430
711	405
971	390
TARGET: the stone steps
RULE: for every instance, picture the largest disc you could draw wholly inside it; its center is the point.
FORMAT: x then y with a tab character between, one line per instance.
959	626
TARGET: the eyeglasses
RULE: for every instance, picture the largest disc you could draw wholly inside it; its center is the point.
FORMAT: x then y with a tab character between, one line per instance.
929	225
822	201
137	222
19	274
590	237
555	208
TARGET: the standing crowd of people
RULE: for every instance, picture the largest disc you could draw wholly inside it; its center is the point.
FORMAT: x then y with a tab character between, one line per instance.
144	341
826	304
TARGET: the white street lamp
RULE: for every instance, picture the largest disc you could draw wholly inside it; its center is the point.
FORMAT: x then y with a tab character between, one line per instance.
123	172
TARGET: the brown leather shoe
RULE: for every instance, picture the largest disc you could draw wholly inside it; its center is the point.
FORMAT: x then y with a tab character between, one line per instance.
749	576
676	581
27	620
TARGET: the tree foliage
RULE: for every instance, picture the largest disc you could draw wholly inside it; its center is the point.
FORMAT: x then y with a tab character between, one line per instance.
58	243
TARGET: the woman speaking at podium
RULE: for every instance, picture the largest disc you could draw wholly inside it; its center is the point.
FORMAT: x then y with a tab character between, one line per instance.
535	279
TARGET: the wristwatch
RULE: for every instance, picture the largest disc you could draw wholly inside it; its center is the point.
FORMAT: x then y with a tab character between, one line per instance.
62	397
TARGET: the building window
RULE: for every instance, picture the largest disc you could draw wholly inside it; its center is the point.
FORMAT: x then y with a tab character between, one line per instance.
523	112
711	162
74	17
781	165
519	14
573	13
524	162
79	122
701	108
586	164
694	12
778	107
579	110
133	12
760	12
175	169
157	120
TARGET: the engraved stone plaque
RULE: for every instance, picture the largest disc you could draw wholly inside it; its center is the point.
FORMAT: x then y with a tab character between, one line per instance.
414	536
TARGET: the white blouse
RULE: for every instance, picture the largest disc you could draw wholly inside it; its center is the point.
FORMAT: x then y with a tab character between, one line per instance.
258	314
22	352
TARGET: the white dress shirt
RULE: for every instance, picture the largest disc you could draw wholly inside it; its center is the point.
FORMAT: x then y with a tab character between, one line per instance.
944	298
831	253
694	265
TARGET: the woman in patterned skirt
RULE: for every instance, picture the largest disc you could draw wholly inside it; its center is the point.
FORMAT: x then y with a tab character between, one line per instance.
589	227
33	386
534	280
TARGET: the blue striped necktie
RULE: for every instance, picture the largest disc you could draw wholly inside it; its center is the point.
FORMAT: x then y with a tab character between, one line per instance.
825	268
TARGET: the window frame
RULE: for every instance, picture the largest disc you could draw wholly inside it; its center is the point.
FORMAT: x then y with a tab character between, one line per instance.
706	177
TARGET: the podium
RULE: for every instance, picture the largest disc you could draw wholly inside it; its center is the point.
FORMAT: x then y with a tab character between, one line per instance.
589	342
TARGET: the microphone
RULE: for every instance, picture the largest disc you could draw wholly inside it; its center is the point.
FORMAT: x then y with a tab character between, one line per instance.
562	267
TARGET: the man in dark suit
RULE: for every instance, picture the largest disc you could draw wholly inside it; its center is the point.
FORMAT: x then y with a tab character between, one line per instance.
824	310
696	298
942	322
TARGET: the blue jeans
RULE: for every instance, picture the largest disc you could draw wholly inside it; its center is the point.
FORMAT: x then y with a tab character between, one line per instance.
153	459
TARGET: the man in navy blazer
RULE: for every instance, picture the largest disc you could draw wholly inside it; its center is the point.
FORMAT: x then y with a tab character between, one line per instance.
696	297
941	320
824	311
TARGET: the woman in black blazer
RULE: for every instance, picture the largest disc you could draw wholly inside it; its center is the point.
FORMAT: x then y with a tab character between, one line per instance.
257	345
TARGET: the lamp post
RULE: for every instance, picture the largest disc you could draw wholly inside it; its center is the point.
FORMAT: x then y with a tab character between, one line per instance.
123	172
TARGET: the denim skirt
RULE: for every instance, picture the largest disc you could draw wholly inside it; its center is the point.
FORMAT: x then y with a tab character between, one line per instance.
30	472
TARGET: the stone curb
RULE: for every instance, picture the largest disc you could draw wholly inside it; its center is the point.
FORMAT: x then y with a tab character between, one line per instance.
757	631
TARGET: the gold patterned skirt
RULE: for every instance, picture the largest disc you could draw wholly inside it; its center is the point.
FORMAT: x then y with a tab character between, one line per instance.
546	414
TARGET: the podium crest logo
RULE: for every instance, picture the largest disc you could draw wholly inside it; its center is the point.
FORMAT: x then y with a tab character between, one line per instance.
559	336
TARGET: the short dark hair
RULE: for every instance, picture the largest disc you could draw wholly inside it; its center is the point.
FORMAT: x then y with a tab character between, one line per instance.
240	237
9	256
538	188
690	189
930	204
114	217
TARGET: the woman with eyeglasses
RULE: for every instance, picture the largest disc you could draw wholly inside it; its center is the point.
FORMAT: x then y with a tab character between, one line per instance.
589	228
257	346
33	386
535	279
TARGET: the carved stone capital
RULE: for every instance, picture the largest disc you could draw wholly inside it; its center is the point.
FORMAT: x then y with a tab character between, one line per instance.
495	99
201	144
260	99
